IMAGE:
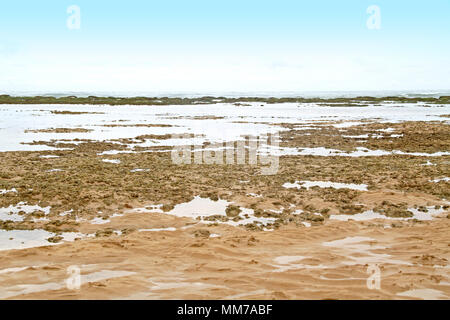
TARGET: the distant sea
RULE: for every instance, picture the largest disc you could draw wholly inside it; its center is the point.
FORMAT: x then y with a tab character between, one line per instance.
263	94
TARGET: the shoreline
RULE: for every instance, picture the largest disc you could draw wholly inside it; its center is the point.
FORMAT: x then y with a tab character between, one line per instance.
94	100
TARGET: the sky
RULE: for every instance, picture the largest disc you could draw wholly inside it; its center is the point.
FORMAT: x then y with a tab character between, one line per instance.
224	46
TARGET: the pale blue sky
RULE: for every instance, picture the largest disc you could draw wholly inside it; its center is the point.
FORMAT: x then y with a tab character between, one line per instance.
206	45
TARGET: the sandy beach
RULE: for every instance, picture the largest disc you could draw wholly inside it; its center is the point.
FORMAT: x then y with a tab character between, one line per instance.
357	207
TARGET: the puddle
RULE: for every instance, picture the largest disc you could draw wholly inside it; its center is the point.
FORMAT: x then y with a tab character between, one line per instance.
176	280
446	179
325	152
360	152
140	170
288	259
424	216
24	239
306	224
50	286
286	263
341	279
373	136
158	229
370	215
4	191
29	288
325	184
361	136
5	216
359	251
49	156
254	195
388	130
12	212
71	236
201	208
13	270
65	213
148	209
100	220
349	242
425	294
115	161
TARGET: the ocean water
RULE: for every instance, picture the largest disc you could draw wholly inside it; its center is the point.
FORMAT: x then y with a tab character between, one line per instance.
277	94
214	123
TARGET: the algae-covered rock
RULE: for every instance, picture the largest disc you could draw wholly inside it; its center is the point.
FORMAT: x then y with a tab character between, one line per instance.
232	211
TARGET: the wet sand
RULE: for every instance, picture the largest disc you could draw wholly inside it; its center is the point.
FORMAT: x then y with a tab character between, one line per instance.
238	264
